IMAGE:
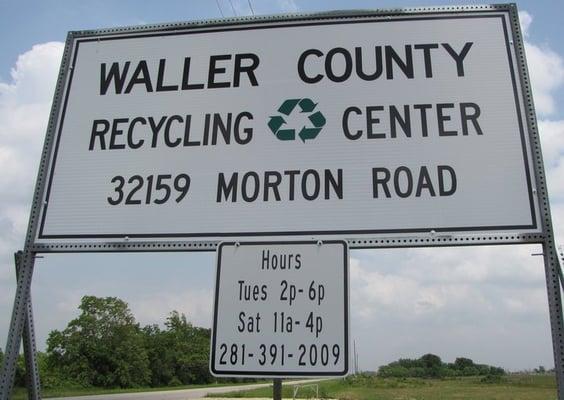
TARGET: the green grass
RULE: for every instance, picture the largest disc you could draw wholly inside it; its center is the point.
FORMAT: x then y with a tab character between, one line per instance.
21	393
513	387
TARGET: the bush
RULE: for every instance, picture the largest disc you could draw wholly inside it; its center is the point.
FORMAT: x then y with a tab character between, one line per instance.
395	371
175	382
431	366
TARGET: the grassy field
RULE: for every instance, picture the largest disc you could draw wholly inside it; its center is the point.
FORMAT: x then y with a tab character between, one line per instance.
514	387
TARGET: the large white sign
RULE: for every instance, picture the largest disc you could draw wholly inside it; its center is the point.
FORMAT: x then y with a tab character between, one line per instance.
343	127
281	309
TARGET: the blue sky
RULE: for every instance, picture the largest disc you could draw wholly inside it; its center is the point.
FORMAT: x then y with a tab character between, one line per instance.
486	303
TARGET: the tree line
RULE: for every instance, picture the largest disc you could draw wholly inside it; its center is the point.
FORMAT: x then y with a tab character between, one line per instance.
431	366
105	347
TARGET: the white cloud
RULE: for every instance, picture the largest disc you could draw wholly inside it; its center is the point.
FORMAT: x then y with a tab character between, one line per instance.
25	102
525	19
546	68
34	76
417	283
557	210
24	109
555	177
196	305
484	303
552	141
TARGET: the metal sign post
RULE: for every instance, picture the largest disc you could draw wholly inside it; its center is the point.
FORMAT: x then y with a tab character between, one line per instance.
555	311
277	389
21	326
30	352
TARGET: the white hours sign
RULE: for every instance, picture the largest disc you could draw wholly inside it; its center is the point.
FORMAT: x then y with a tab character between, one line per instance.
334	127
281	309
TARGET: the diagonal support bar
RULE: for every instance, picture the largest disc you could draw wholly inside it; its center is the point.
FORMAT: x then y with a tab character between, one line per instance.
30	350
19	316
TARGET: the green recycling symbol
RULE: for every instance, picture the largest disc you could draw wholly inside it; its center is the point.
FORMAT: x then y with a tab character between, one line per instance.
306	105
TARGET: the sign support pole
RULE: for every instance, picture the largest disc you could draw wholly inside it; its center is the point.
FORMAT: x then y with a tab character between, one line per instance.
550	253
20	317
277	389
555	309
30	349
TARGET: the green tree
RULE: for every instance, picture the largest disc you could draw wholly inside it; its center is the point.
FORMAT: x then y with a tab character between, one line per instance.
102	347
160	354
460	363
178	354
431	361
433	365
20	376
191	345
409	363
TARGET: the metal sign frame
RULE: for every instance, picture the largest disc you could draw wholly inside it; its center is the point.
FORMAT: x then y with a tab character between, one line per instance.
373	237
22	302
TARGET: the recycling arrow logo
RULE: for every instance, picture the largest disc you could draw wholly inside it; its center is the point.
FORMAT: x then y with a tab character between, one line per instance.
277	122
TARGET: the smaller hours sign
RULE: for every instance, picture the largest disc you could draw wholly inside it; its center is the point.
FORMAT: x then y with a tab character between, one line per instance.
281	309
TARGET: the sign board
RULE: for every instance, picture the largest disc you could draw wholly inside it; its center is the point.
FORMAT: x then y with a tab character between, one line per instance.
363	126
281	309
